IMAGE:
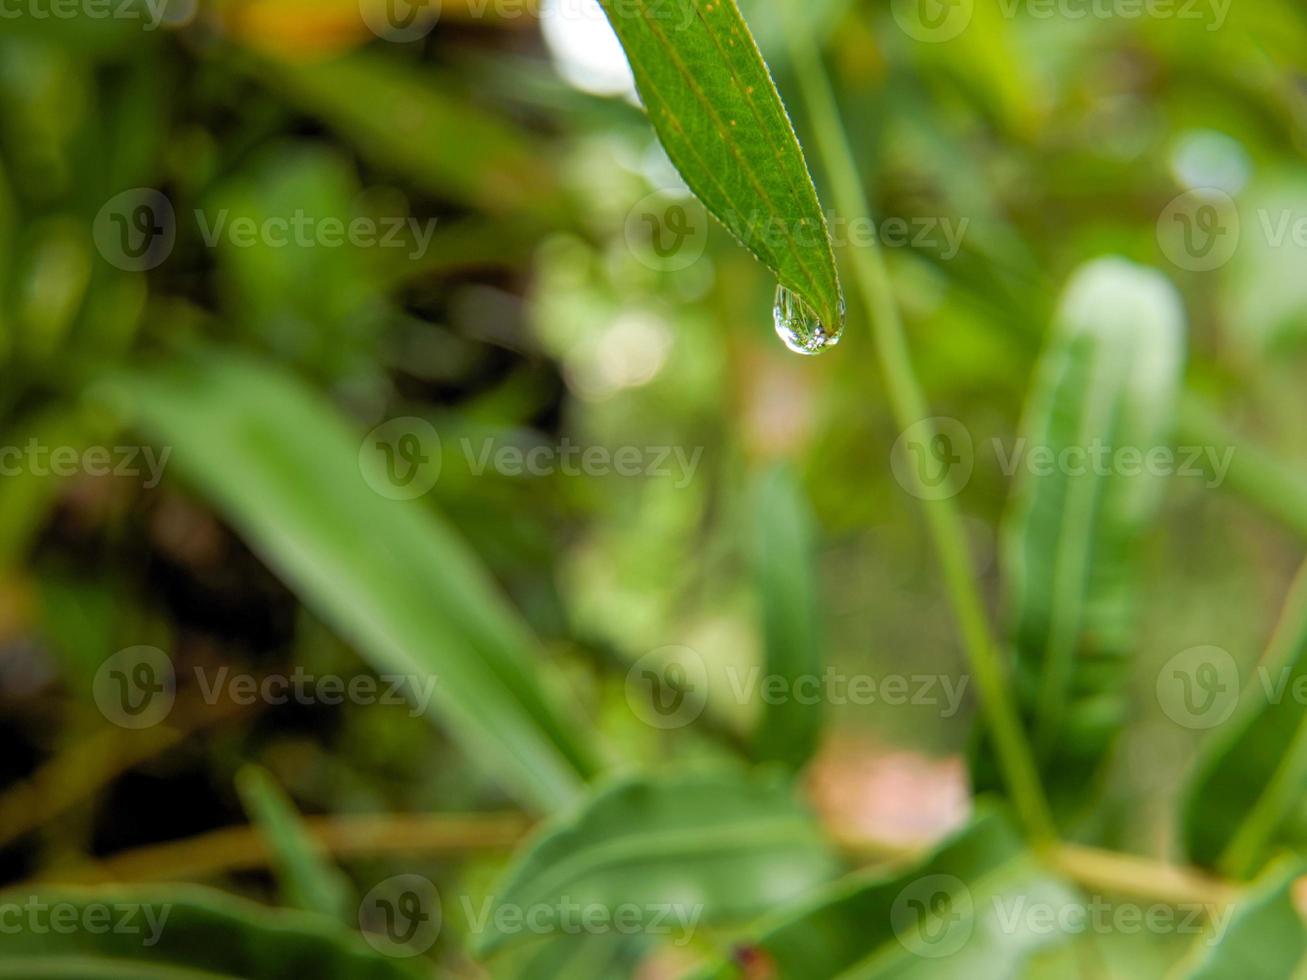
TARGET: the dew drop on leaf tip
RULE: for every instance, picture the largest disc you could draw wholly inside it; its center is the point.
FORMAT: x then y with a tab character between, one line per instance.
799	328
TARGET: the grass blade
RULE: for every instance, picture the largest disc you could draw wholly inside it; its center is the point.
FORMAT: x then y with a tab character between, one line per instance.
787	588
404	120
389	575
309	880
1251	776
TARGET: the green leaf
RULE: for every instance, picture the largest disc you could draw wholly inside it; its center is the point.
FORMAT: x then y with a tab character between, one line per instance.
1108	378
949	916
718	115
389	575
1265	938
684	849
180	933
587	956
787	588
308	879
1252	773
405	119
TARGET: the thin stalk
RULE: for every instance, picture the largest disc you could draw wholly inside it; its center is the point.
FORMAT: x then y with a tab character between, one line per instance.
1092	869
243	848
83	768
910	408
1125	874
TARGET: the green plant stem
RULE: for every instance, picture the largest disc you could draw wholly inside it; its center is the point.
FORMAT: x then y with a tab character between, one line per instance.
1126	874
910	408
243	848
1092	869
83	768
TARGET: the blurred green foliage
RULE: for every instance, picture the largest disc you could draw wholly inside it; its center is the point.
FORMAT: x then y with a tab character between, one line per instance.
522	310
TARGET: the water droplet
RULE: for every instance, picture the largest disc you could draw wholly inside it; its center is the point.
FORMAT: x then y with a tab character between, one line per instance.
799	328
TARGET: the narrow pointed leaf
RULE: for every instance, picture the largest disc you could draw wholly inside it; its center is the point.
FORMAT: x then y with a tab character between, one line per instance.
787	590
388	574
712	102
585	956
1248	786
1103	397
703	847
309	881
407	121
